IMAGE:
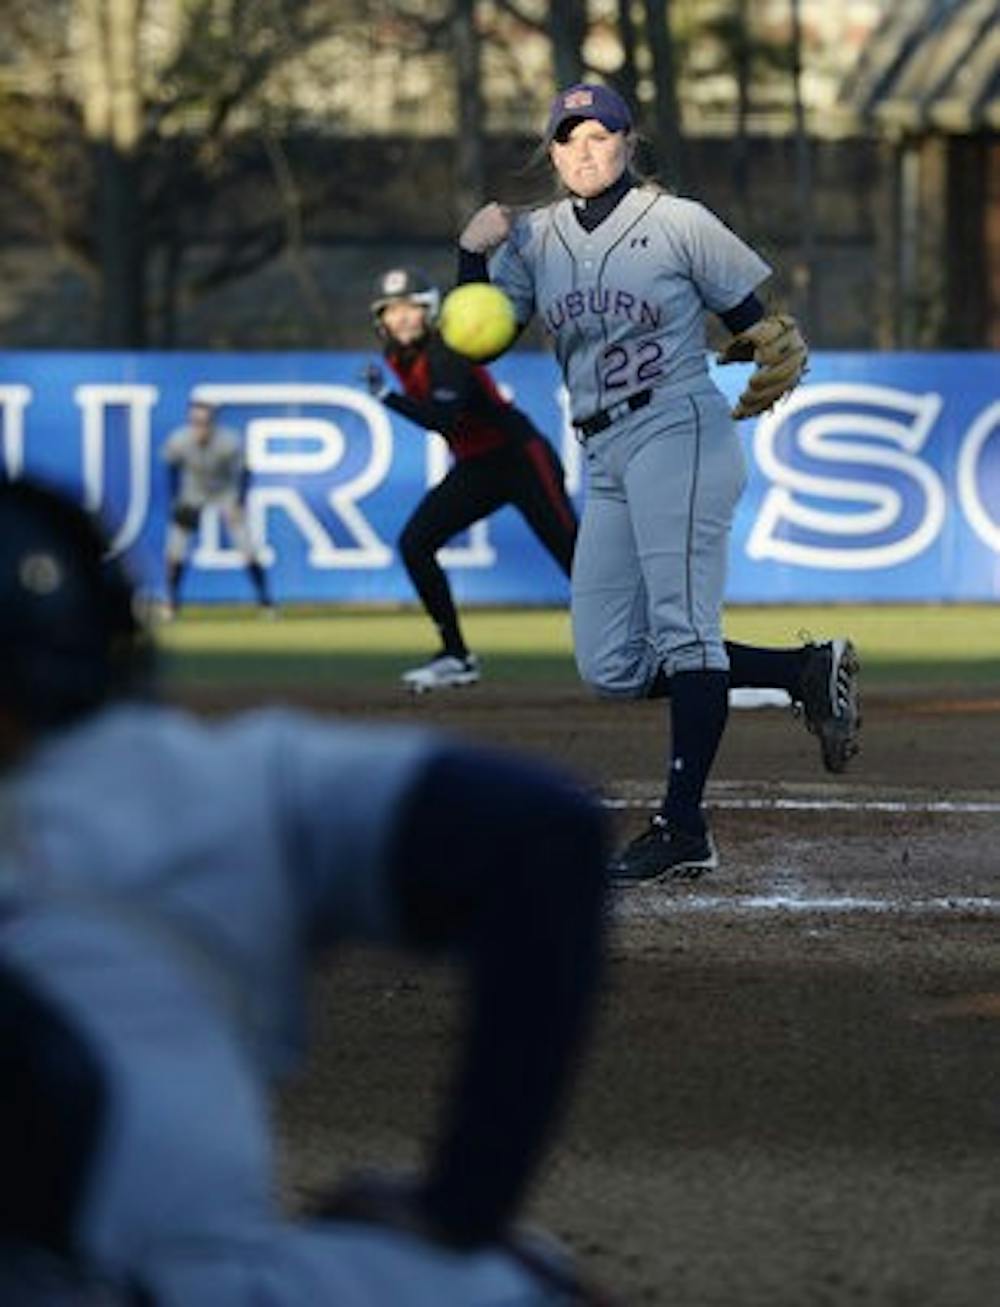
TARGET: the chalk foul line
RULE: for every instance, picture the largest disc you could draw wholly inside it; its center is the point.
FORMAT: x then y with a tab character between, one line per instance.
706	904
778	804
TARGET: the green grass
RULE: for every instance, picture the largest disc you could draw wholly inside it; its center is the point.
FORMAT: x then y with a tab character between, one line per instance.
351	645
906	646
910	646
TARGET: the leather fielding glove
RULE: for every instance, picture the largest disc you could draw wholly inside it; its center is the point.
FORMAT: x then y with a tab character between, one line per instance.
777	347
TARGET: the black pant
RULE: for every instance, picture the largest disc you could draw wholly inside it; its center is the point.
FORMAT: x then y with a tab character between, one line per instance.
527	475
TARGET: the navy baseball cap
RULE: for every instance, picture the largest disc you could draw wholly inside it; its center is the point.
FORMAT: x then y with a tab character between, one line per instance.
588	100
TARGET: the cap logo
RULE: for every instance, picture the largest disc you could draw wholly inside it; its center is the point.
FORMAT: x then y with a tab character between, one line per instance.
581	99
40	574
394	282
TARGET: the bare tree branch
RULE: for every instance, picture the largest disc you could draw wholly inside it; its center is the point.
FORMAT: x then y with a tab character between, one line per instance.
121	159
292	207
515	11
246	252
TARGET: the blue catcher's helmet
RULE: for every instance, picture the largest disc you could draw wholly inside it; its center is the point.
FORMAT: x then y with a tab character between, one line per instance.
70	636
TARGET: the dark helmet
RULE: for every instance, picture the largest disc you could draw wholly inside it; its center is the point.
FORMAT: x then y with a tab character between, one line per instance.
405	284
70	637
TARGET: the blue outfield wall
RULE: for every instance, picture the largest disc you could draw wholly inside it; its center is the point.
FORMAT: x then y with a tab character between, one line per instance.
878	480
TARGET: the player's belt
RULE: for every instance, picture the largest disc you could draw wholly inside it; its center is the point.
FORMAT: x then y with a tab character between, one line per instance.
601	421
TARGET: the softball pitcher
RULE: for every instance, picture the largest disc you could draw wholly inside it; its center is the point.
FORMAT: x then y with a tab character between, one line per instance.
622	274
164	884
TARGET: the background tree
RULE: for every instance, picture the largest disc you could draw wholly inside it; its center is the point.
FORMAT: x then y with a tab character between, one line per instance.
470	168
743	70
725	48
802	275
567	24
112	120
666	113
627	76
130	127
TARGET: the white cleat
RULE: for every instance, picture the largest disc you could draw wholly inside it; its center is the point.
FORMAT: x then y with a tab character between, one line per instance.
443	671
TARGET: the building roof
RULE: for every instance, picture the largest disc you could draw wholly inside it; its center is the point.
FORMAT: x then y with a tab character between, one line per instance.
931	65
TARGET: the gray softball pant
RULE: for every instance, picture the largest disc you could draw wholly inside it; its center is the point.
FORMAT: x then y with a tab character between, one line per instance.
649	571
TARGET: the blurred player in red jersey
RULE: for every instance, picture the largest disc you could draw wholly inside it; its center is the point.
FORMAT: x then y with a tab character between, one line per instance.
500	458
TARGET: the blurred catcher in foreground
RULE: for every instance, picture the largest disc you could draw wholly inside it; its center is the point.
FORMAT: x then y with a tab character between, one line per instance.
165	885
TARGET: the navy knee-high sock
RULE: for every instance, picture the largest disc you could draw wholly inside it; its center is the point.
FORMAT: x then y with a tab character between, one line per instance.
750	667
753	667
699	706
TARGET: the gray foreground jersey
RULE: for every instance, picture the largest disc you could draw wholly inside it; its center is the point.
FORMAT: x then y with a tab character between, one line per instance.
207	471
163	883
253	836
182	1193
625	303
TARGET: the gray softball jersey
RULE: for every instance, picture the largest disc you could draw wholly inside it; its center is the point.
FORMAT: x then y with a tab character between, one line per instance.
208	471
141	803
166	876
625	303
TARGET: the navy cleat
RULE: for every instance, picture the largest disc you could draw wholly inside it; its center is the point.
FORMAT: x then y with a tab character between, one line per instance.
830	702
662	852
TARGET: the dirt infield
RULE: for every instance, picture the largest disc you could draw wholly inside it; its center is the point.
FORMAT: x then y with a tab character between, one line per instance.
793	1095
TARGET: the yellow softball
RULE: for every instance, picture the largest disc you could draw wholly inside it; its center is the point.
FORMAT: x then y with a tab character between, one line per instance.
478	321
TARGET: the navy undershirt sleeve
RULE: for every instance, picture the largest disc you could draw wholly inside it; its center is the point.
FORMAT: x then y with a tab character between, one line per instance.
56	1103
503	863
472	266
744	314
